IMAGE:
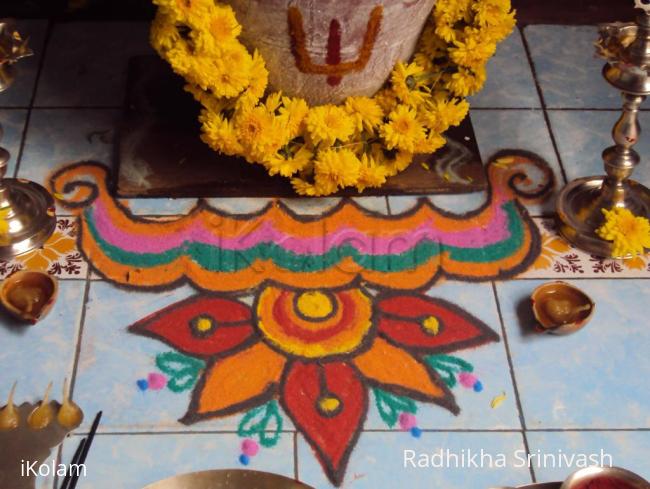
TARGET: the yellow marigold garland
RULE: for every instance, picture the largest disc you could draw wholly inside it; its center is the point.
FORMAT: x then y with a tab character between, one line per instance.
324	148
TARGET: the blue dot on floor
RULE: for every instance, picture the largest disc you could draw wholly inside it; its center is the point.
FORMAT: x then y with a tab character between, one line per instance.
142	384
416	432
478	386
244	459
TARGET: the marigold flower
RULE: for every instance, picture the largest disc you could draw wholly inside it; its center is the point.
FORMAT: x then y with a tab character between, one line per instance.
403	131
366	113
337	168
630	234
328	123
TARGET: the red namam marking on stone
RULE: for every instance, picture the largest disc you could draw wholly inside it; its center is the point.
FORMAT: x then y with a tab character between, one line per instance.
334	67
334	51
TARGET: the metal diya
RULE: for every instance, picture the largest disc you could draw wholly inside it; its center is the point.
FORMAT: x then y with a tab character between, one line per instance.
627	50
228	479
27	212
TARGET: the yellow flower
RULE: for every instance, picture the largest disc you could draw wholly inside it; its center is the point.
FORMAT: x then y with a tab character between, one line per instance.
164	34
407	81
303	187
223	24
366	113
258	81
431	44
336	168
466	82
444	113
219	133
207	99
630	234
386	99
289	164
431	143
329	123
401	161
371	173
491	11
403	131
473	52
219	75
254	127
293	112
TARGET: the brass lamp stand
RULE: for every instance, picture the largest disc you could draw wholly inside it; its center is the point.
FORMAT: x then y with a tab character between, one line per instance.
27	212
580	204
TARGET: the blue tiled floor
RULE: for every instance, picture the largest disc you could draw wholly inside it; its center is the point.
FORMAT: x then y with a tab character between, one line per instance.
578	394
567	68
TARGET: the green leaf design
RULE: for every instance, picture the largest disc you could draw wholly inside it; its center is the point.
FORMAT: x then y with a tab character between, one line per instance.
263	422
390	406
183	371
448	366
454	362
447	374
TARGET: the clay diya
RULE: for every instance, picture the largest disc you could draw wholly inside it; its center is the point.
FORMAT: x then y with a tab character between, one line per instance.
605	478
561	308
29	294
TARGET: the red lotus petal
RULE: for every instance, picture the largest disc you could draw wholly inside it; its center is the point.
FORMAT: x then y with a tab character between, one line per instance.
184	325
332	434
401	320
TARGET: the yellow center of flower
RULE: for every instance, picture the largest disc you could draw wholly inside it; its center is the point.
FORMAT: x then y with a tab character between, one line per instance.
431	325
312	323
403	125
629	225
314	304
203	325
328	404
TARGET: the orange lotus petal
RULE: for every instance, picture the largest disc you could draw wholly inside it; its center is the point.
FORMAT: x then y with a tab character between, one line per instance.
397	371
237	382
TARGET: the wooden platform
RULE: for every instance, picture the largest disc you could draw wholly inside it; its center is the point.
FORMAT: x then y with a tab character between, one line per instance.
160	152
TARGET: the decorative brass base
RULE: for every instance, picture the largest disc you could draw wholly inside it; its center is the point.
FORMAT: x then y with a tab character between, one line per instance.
28	217
579	208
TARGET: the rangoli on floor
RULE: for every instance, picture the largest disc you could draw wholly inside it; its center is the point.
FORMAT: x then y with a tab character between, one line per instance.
313	317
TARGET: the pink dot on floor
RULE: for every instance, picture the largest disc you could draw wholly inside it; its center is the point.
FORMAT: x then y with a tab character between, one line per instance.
467	380
250	447
407	421
156	381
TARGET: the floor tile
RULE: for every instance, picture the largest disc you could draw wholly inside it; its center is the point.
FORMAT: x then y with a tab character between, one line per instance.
583	135
567	68
595	378
112	360
490	364
509	78
457	203
238	205
502	129
146	458
309	206
36	355
627	449
56	137
13	125
20	93
379	461
86	63
159	206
